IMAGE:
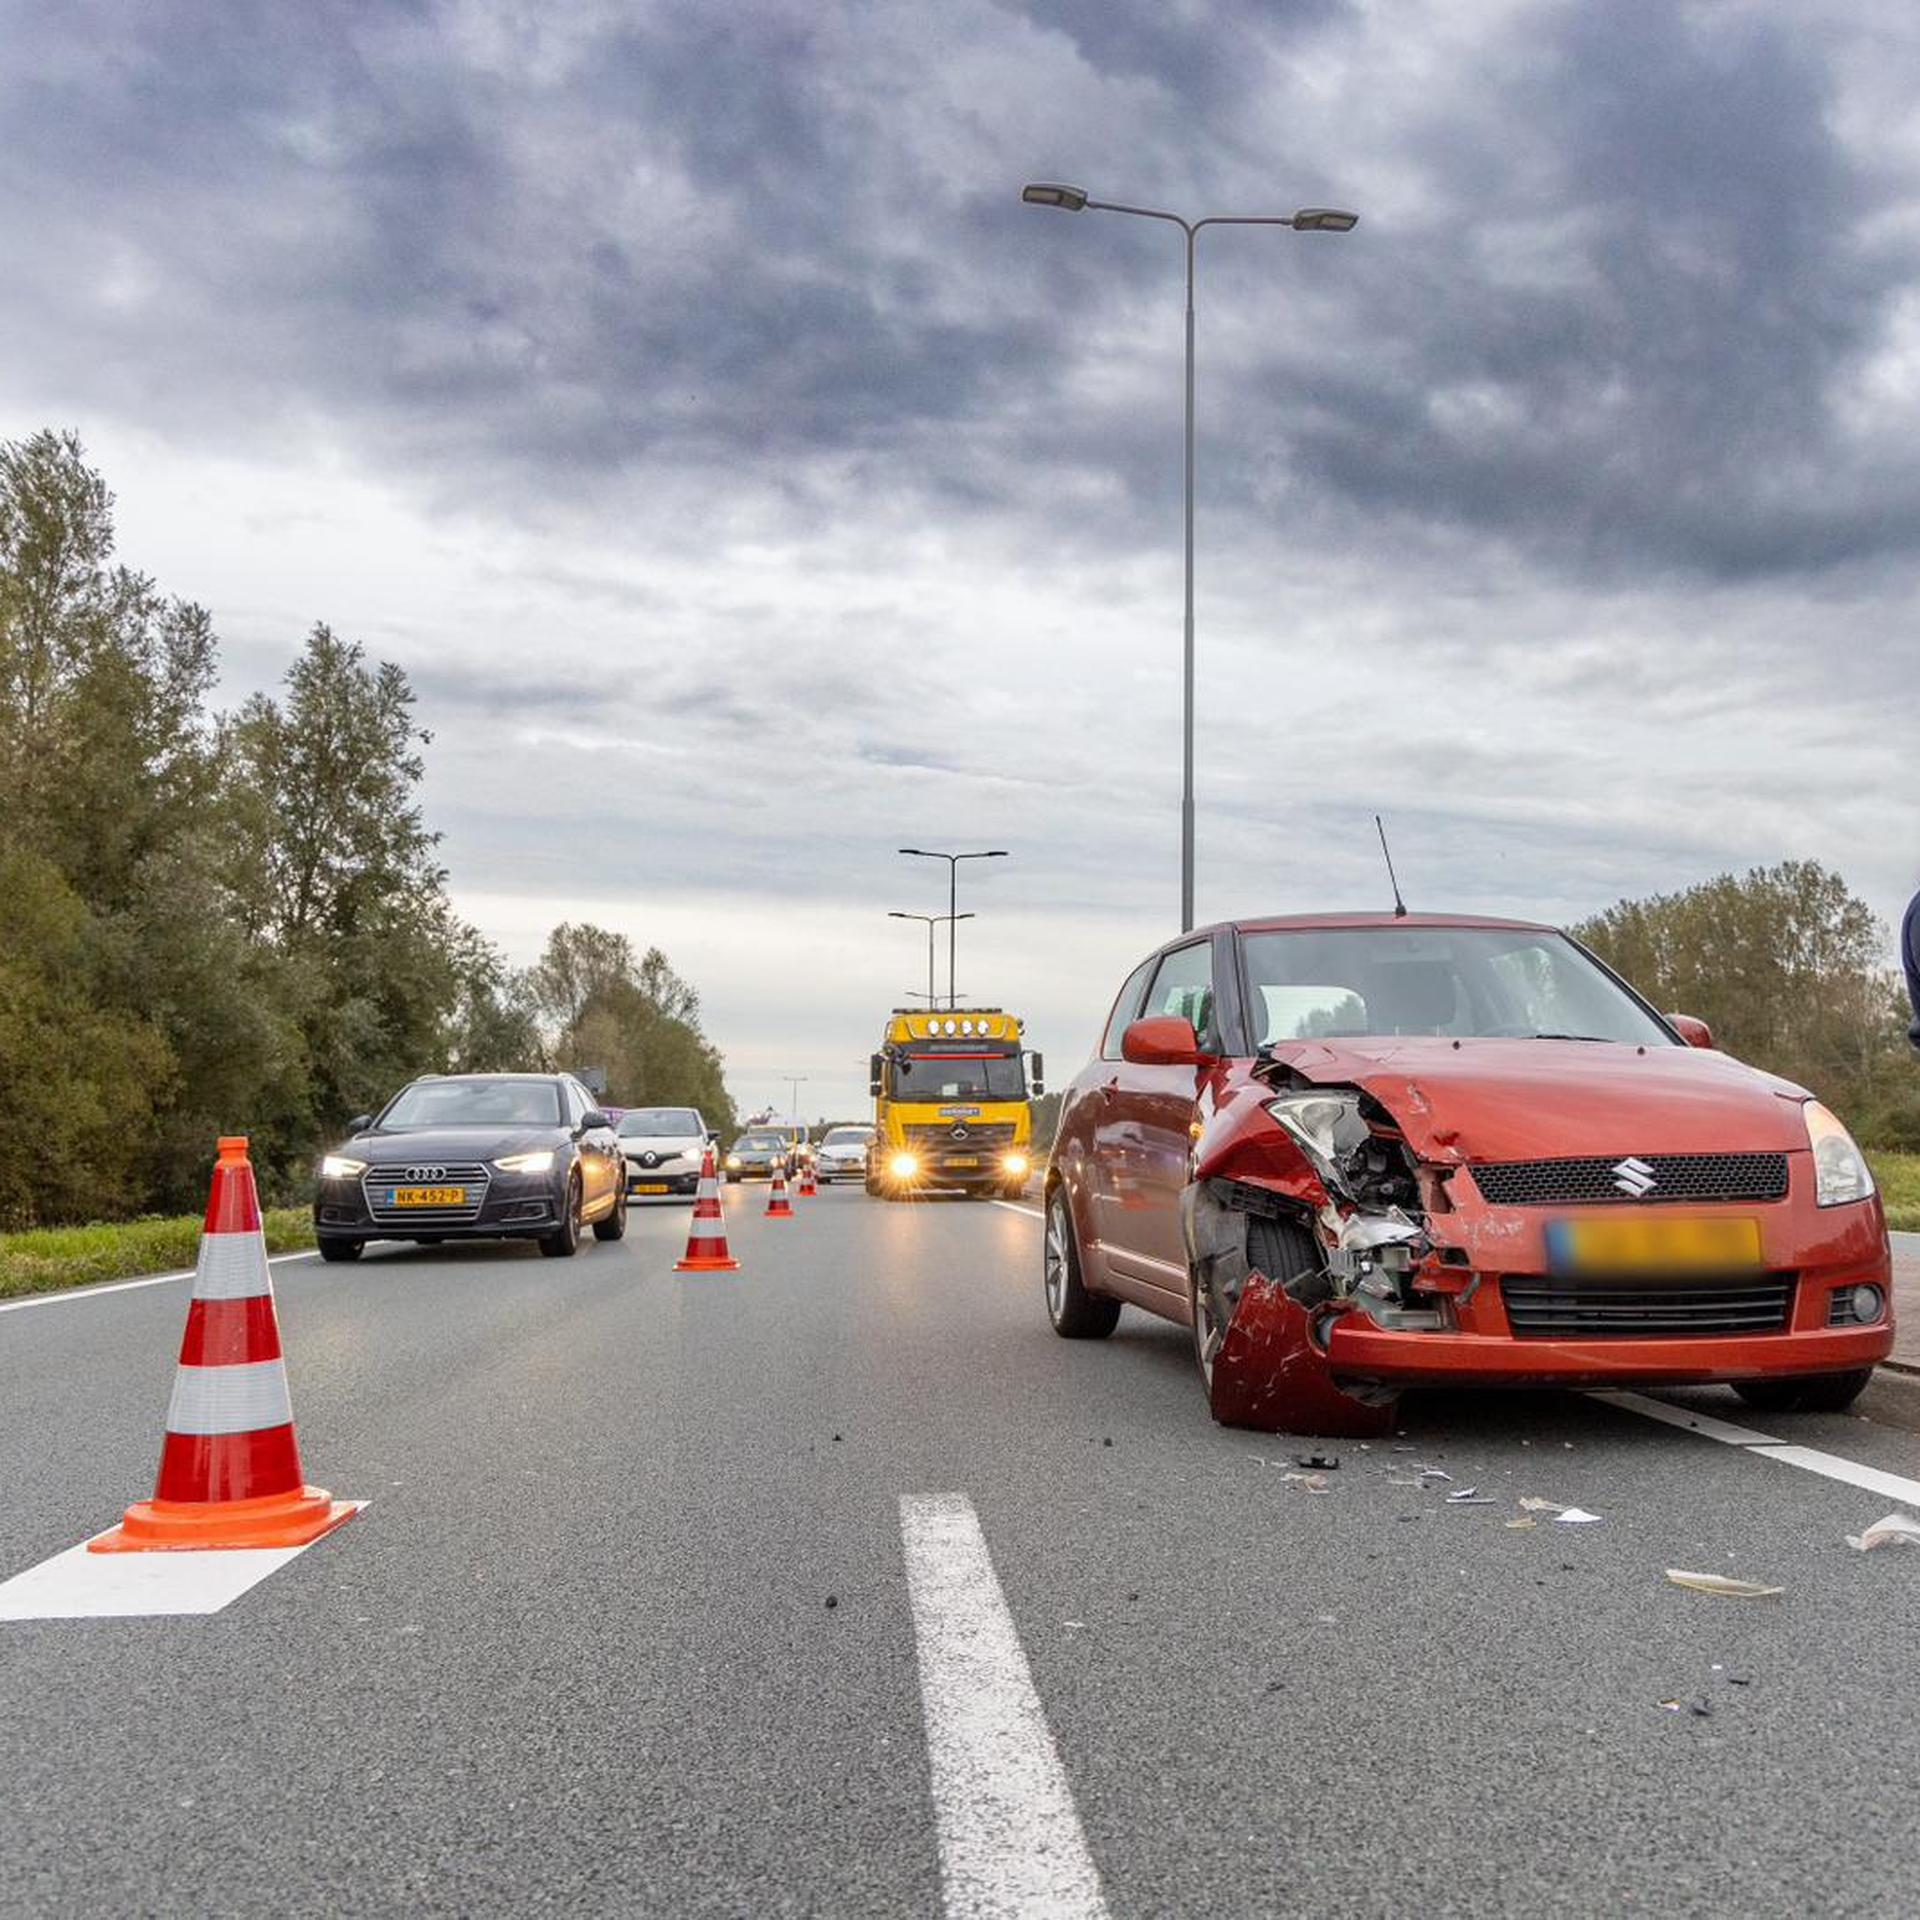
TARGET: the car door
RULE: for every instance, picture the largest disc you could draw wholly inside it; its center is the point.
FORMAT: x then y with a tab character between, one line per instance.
596	1180
1093	1115
1150	1131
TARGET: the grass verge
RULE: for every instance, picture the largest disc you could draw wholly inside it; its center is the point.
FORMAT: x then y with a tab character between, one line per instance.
50	1258
1899	1177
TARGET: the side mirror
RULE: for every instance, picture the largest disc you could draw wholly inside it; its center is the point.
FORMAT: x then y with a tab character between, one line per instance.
1163	1040
713	1136
1037	1080
593	1118
360	1123
875	1074
1696	1033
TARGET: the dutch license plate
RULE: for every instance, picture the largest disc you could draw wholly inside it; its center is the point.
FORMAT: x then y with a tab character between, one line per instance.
963	1160
650	1186
427	1197
1640	1244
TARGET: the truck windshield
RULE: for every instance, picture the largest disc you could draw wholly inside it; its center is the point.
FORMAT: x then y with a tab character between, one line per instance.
939	1072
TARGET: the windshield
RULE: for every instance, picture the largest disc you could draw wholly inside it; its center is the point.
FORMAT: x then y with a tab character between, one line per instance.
848	1137
944	1071
473	1103
762	1143
1456	982
650	1121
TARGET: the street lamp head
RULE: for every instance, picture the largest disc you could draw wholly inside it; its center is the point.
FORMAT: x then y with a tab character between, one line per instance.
1050	193
1324	220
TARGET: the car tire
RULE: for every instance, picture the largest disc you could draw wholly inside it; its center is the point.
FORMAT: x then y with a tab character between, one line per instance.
614	1226
1076	1314
1282	1250
1813	1393
340	1249
564	1241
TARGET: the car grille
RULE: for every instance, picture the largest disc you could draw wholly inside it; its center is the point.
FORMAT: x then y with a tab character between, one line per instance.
471	1174
1541	1308
961	1136
1675	1176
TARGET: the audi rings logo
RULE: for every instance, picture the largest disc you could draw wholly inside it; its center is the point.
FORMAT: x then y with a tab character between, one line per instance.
426	1173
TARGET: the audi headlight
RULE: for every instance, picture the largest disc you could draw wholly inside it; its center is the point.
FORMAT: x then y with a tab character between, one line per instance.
1840	1170
1327	1127
339	1166
540	1162
903	1166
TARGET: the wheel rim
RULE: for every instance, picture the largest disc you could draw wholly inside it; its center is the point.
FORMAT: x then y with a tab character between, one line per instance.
1058	1252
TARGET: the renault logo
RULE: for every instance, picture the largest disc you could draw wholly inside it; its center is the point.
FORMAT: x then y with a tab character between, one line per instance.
1634	1178
649	1159
426	1173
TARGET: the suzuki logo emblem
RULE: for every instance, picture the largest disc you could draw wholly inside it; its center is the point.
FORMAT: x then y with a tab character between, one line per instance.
1634	1178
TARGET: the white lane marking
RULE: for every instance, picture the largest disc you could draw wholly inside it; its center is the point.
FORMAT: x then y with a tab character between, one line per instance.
1010	1838
127	1286
1700	1423
1013	1206
78	1585
1896	1486
1830	1466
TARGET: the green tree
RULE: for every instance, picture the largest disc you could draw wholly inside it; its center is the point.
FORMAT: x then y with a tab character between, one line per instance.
1788	968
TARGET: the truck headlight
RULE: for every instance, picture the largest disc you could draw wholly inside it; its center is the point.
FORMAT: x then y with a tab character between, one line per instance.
1840	1170
903	1166
540	1162
339	1166
1015	1165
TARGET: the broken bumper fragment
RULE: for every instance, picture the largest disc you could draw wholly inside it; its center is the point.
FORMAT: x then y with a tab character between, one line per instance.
1272	1375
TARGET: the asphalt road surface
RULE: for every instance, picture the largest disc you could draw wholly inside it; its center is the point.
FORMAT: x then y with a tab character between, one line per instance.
840	1586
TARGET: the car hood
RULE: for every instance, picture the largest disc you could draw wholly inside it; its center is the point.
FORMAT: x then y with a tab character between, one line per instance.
661	1143
452	1143
1559	1099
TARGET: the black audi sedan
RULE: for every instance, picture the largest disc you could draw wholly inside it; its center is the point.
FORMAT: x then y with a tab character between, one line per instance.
475	1156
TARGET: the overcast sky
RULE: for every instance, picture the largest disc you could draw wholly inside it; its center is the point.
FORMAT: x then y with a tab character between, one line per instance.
751	485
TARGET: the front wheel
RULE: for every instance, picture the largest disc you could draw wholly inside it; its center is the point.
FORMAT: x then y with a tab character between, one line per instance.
614	1226
564	1241
340	1249
1076	1313
1813	1393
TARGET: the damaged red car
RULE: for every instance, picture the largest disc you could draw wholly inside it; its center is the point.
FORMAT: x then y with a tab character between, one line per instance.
1362	1152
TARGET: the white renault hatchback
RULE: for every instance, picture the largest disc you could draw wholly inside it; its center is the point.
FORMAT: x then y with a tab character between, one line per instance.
662	1148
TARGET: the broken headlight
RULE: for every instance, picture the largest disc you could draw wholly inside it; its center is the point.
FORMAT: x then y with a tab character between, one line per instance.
1328	1129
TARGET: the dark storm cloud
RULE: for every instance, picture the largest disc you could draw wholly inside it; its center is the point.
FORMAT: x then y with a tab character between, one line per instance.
1612	303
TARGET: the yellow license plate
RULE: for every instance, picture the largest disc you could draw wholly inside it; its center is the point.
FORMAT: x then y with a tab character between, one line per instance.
1641	1243
650	1186
959	1161
429	1196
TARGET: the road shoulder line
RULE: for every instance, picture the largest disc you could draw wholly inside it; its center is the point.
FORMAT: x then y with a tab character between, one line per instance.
84	1292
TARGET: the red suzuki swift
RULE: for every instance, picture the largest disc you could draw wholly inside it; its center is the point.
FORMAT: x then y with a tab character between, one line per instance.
1359	1152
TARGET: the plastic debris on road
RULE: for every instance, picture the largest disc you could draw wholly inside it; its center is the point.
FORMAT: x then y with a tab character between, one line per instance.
1896	1530
1324	1462
1470	1497
1574	1517
1532	1503
1722	1584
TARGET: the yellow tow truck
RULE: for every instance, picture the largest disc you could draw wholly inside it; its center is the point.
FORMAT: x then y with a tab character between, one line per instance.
952	1103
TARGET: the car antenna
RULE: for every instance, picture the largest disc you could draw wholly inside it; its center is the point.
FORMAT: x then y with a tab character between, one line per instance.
1399	905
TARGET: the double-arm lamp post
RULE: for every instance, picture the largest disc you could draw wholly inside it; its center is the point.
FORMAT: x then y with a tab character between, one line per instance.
951	916
932	920
1047	193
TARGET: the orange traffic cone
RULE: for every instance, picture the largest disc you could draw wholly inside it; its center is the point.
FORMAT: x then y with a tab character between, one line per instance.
777	1207
706	1234
229	1465
808	1191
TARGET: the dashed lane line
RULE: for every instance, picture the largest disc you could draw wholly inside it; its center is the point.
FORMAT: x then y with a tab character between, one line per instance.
1830	1466
1010	1836
127	1286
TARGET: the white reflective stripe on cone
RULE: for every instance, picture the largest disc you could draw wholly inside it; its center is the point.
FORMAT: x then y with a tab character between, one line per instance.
243	1399
232	1266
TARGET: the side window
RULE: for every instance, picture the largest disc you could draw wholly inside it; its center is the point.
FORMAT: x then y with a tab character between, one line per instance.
576	1101
1184	986
1124	1010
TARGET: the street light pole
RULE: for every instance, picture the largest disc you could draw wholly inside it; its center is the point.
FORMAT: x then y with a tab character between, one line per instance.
953	891
932	920
795	1081
1046	193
